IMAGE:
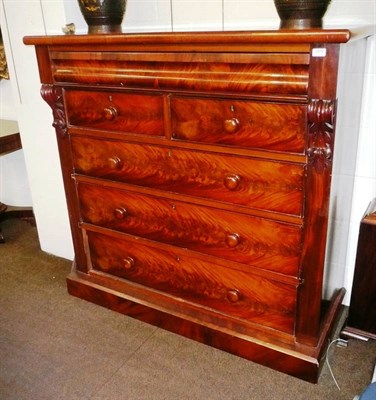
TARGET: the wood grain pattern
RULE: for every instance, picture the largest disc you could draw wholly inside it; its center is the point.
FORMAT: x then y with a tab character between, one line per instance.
181	74
318	182
253	241
260	300
280	127
218	40
262	184
121	112
219	184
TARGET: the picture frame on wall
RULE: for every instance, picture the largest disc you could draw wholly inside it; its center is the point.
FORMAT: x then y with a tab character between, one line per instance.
4	74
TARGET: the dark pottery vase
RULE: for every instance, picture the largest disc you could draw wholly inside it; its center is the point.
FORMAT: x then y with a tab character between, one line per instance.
301	14
103	16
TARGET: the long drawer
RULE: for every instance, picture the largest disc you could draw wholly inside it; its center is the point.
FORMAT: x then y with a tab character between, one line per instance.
271	126
260	184
112	111
212	71
236	237
231	292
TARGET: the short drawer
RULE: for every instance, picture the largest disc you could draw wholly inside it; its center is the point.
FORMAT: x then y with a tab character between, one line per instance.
113	111
227	291
271	126
241	238
260	184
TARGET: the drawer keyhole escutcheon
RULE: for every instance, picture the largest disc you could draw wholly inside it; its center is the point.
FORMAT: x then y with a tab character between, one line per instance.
128	263
110	113
231	125
233	295
120	213
232	181
233	240
115	162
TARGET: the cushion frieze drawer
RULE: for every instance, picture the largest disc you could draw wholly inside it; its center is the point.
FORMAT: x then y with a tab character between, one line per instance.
189	71
227	291
255	183
253	241
271	126
113	111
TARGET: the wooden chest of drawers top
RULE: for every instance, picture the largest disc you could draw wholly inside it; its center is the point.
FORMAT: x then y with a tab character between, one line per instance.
254	63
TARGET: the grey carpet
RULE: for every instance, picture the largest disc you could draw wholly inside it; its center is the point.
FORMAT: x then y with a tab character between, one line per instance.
54	346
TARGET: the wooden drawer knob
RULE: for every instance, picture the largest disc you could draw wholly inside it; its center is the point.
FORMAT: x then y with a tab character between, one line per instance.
110	113
115	162
231	125
120	213
232	239
232	181
233	295
128	262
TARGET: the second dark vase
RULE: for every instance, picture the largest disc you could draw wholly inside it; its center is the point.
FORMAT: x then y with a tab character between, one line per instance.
301	14
103	16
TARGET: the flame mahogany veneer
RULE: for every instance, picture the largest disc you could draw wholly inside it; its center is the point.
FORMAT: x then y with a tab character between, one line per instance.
197	171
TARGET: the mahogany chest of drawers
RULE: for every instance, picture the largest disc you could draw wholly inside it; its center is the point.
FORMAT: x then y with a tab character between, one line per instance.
197	171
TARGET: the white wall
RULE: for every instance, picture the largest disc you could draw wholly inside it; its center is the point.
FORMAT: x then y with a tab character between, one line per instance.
33	17
354	147
7	110
365	168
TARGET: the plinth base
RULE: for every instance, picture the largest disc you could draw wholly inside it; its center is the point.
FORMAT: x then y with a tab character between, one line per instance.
295	359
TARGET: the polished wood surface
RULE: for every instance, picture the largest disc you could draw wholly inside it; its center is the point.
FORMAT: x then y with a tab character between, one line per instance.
218	39
229	291
261	184
217	74
197	170
320	148
278	127
256	242
120	112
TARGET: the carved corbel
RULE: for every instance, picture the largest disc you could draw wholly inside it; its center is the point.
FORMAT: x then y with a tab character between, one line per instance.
53	95
321	123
